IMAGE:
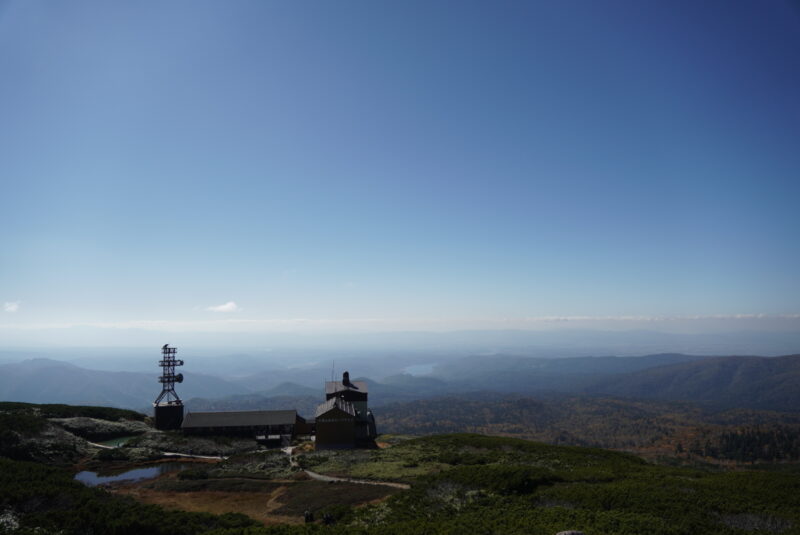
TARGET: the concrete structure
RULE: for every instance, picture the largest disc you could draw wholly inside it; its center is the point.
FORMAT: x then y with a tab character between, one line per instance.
168	415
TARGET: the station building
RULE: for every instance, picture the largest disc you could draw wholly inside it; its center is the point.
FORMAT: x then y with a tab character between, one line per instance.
267	427
344	420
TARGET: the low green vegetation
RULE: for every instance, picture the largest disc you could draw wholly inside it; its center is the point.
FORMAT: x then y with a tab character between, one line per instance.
459	484
337	498
41	499
71	411
409	460
175	441
265	464
479	484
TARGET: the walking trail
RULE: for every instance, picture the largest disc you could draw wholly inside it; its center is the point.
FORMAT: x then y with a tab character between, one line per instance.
168	453
322	477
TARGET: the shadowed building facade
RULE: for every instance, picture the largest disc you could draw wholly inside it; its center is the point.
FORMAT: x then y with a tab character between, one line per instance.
267	427
344	420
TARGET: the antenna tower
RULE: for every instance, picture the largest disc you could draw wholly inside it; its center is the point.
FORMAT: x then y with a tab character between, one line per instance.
168	406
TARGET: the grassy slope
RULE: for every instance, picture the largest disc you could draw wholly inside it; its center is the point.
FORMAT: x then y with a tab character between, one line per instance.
487	484
472	484
69	411
460	484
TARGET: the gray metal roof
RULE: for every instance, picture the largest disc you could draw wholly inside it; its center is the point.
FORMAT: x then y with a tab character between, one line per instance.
337	403
239	418
332	387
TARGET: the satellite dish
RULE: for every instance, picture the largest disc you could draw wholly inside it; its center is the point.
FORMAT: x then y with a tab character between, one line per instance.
179	378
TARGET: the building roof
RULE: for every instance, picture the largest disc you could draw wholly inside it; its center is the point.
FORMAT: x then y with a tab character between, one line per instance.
331	387
337	403
239	418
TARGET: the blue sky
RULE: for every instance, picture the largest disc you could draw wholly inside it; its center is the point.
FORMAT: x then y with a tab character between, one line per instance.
362	165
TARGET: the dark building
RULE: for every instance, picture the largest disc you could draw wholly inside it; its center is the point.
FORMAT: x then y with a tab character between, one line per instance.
344	420
336	425
168	416
268	427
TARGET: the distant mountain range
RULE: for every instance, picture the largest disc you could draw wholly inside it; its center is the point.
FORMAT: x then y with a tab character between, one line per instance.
51	381
751	382
725	382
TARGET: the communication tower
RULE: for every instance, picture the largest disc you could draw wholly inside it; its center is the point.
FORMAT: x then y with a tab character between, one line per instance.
168	407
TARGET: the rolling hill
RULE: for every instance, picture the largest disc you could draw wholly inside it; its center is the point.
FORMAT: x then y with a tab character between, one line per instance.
51	381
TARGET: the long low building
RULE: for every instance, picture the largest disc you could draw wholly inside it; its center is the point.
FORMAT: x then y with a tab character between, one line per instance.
262	425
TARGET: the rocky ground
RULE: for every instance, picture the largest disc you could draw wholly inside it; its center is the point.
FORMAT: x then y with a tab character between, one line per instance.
97	430
54	445
176	442
266	464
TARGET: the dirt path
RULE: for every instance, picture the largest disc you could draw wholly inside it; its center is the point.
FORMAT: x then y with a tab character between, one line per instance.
321	477
167	453
186	455
101	446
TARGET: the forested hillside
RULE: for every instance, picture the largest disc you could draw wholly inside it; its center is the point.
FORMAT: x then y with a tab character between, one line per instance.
650	428
752	382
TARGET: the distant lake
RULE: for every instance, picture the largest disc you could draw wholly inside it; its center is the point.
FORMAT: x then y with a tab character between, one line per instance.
93	479
420	369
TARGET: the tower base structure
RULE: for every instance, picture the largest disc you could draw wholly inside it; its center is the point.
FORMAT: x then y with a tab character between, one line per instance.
168	416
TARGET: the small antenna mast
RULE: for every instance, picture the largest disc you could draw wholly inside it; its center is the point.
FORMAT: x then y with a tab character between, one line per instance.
333	370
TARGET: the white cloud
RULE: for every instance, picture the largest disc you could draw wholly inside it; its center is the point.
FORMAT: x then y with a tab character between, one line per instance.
11	306
230	306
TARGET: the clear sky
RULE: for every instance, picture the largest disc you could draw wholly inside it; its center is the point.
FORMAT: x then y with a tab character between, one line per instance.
361	164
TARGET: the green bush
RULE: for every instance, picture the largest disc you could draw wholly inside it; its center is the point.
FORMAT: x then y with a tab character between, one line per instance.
49	500
193	473
71	411
115	454
500	479
340	514
463	458
23	421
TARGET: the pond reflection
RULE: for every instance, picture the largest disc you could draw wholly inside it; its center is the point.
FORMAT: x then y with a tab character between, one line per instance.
94	479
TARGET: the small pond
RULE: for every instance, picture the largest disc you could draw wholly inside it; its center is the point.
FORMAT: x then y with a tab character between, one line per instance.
93	479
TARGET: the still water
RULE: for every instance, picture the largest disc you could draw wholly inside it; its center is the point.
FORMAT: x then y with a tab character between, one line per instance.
94	479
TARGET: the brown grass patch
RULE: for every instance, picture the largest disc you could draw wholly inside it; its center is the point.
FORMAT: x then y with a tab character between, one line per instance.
258	506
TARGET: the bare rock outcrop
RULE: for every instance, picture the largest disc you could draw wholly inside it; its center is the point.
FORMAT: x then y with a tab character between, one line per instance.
95	429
